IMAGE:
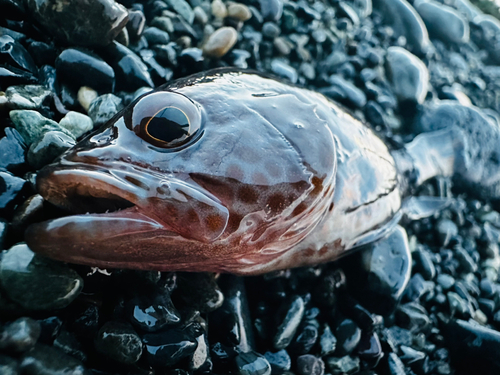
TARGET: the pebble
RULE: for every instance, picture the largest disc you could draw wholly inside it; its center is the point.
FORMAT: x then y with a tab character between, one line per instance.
90	24
37	283
239	11
12	150
396	366
343	365
252	363
348	336
11	188
405	21
69	344
370	349
15	55
8	366
473	347
310	365
418	287
270	30
443	22
135	24
182	8
103	108
119	342
152	311
220	42
12	76
279	361
423	264
327	341
32	125
47	360
305	339
271	9
92	71
490	29
408	75
200	290
344	92
387	266
282	69
76	123
288	327
166	348
47	147
28	97
156	36
20	336
412	317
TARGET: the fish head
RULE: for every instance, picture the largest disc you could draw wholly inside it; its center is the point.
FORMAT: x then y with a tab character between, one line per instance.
208	174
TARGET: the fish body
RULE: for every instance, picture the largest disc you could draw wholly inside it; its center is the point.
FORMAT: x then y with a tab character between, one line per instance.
227	171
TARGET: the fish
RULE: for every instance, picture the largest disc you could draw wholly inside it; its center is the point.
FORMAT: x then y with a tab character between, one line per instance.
223	171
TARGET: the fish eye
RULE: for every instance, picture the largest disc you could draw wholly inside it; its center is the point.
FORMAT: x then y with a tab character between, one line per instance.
166	119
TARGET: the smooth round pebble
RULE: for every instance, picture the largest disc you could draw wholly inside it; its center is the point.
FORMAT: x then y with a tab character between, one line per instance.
120	342
103	108
220	42
76	123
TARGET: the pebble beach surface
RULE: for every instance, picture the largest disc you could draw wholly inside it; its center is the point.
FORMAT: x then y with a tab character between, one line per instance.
423	303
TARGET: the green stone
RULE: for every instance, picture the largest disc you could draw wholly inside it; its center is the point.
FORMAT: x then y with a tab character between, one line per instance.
77	123
48	147
31	125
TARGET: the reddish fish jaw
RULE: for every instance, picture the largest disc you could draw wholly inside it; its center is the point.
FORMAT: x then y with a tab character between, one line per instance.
148	205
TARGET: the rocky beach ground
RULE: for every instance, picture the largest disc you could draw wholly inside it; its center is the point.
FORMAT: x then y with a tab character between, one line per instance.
429	305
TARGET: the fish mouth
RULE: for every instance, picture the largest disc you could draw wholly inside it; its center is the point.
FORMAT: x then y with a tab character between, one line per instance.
114	209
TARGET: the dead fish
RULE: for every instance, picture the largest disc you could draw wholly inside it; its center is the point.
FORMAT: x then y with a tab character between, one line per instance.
225	171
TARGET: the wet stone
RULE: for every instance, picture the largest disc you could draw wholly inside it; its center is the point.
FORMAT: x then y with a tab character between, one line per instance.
32	125
42	53
12	76
305	339
446	230
120	342
28	97
199	290
348	335
343	365
76	123
220	42
271	9
82	23
370	349
86	96
11	188
8	366
396	367
92	70
37	283
408	75
45	359
418	287
413	317
310	365
280	361
239	12
252	363
284	70
345	92
156	36
103	108
288	327
327	341
443	22
68	343
27	213
14	54
445	281
168	347
182	8
49	146
153	311
489	27
270	30
424	264
3	232
20	335
12	150
387	266
406	22
135	24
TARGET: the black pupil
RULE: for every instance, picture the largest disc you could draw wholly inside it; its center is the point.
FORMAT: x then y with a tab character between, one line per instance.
168	125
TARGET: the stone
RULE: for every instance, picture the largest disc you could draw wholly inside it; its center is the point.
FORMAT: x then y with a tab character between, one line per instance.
443	22
200	290
370	349
103	108
327	341
76	123
12	150
405	21
343	365
489	27
10	76
32	125
310	365
49	146
166	348
86	96
38	283
156	36
344	92
288	327
92	71
44	359
271	9
119	342
135	24
11	189
182	8
82	23
15	55
239	12
279	361
252	363
28	97
348	336
408	75
20	336
220	42
284	70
